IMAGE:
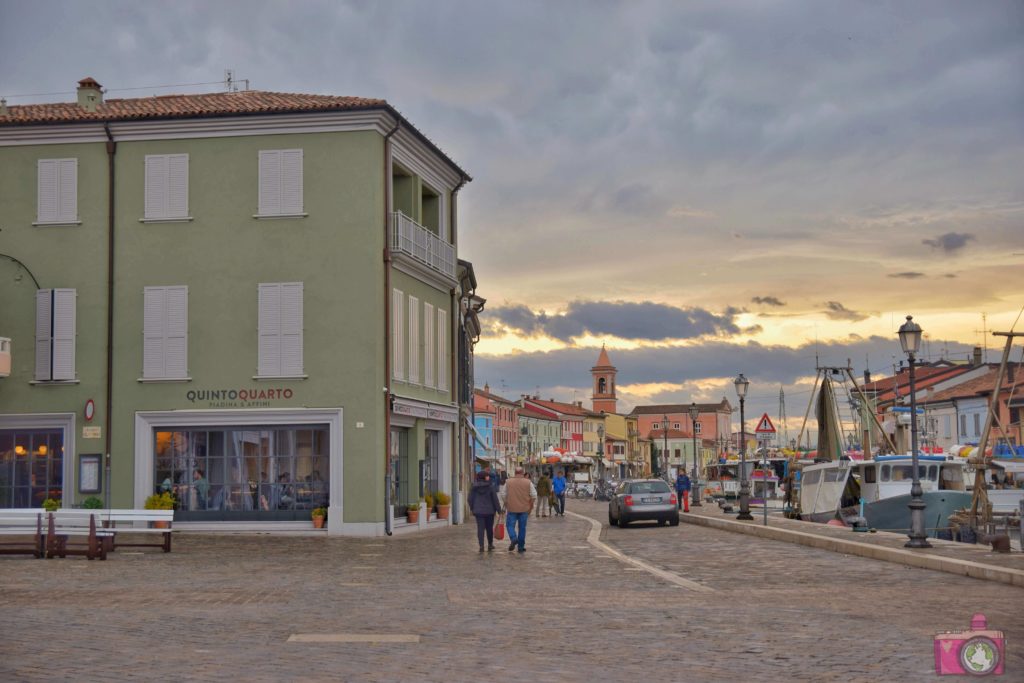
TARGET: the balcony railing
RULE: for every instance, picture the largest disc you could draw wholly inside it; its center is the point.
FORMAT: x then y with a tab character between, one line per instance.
409	237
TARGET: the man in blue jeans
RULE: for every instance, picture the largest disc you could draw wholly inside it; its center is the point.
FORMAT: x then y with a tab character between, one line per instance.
558	486
519	498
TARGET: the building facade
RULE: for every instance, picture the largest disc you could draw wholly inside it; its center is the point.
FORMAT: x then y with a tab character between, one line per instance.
247	298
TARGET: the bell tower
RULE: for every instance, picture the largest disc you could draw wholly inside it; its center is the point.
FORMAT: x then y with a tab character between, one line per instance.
603	373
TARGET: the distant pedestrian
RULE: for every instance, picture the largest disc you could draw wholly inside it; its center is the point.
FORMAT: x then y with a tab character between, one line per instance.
558	486
492	475
543	495
484	504
520	495
683	490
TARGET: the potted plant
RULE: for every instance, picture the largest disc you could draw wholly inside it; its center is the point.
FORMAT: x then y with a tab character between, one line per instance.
428	498
319	515
160	501
444	504
93	503
412	513
51	505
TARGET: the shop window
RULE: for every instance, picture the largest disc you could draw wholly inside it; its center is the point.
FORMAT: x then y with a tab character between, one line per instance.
31	467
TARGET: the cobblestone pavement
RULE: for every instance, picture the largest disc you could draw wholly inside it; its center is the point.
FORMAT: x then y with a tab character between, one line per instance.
222	608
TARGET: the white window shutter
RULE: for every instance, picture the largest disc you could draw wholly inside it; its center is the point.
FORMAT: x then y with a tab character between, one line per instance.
64	333
442	349
291	328
48	205
156	186
154	338
414	340
177	185
270	183
44	330
397	338
176	332
428	345
291	181
68	193
269	363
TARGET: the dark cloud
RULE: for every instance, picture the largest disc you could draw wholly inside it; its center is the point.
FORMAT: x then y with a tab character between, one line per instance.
909	275
836	311
557	373
950	243
768	301
622	319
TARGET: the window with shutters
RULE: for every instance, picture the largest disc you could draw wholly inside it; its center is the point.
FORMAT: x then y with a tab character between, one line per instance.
166	190
414	340
429	359
442	349
280	330
165	333
397	336
57	192
280	184
55	335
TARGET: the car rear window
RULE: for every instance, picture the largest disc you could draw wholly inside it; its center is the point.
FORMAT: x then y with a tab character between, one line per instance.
649	487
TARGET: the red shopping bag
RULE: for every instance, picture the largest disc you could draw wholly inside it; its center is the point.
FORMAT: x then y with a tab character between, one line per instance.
499	529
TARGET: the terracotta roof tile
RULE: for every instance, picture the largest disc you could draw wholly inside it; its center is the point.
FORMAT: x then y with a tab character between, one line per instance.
185	106
969	389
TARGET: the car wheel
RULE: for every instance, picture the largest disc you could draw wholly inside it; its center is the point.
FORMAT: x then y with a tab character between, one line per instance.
622	522
674	521
611	520
662	522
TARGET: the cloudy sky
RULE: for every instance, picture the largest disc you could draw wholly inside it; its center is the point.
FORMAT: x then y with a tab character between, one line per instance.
708	188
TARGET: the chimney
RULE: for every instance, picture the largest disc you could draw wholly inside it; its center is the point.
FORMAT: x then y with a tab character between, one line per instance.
3	107
90	94
977	356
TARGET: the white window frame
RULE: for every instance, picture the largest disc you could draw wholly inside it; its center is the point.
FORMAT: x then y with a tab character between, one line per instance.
442	349
274	183
55	336
429	356
58	206
397	335
280	328
164	326
414	340
165	189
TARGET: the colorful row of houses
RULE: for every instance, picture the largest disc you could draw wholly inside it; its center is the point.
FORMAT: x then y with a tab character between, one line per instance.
532	431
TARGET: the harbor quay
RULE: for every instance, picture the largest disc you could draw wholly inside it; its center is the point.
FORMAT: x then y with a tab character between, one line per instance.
584	602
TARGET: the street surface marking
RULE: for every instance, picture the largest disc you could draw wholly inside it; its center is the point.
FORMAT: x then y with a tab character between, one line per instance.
594	539
353	638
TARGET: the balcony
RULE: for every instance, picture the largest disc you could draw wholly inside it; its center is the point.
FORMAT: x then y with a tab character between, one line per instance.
421	245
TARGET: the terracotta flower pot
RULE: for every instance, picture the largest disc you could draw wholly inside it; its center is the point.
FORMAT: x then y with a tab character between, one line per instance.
443	511
318	522
161	525
413	516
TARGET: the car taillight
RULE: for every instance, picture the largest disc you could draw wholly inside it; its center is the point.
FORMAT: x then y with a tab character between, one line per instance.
628	500
675	501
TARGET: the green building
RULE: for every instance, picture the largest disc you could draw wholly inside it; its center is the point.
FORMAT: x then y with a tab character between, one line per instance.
251	299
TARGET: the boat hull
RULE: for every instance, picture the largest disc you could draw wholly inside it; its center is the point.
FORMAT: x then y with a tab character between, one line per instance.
893	514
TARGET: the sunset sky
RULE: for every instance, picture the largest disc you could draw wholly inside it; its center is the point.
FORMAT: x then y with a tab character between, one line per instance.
708	188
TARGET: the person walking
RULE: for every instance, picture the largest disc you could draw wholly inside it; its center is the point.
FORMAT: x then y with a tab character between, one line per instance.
484	504
520	495
683	490
543	495
558	486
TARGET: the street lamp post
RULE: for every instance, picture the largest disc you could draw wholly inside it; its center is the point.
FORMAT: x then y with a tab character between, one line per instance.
600	450
664	451
694	488
742	383
910	340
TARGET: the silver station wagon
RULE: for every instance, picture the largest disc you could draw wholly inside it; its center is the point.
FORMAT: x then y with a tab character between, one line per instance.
637	499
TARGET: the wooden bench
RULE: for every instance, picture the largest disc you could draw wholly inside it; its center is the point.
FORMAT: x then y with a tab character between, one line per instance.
111	518
26	524
63	525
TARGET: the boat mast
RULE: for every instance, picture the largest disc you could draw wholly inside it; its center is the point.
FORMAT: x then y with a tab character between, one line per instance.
871	410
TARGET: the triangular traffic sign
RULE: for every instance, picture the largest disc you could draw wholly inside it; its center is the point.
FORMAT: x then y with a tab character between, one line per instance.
765	426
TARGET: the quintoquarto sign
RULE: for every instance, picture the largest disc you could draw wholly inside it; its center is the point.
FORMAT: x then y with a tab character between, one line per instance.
238	398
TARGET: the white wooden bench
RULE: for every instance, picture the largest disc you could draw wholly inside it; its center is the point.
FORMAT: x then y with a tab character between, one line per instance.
111	518
63	525
25	527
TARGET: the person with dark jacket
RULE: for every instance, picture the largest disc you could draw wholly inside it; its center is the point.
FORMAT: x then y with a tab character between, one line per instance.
543	495
484	504
683	487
